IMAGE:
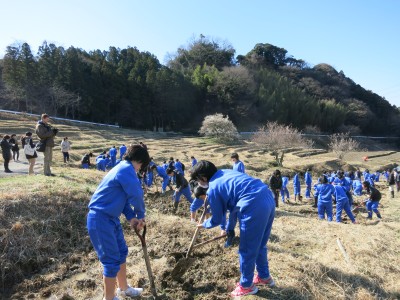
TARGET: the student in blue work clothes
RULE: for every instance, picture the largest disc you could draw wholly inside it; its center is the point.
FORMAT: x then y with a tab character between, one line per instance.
325	192
237	164
162	174
149	178
122	151
230	190
315	205
308	181
113	156
182	188
232	219
284	189
372	202
102	161
119	192
366	175
194	161
179	166
342	201
98	159
377	176
200	195
296	187
357	187
346	182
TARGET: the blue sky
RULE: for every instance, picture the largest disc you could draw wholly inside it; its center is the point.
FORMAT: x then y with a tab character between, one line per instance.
359	37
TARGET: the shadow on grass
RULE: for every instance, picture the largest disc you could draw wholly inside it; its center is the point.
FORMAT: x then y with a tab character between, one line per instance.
285	213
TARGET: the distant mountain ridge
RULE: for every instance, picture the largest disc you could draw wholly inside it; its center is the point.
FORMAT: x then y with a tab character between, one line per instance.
133	89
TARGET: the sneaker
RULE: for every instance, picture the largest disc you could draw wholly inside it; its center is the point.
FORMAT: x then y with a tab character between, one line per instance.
259	281
242	291
129	292
115	298
193	221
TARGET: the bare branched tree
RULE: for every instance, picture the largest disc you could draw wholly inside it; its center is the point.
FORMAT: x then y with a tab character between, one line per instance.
61	98
219	127
277	138
342	143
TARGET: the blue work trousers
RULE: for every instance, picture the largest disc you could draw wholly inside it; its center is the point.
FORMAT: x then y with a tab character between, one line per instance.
108	241
340	205
185	192
325	207
255	229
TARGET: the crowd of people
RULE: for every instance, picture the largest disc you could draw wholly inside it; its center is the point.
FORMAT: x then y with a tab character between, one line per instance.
229	196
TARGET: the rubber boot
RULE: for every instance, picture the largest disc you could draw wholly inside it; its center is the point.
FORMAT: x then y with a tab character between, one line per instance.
392	192
175	206
315	202
229	240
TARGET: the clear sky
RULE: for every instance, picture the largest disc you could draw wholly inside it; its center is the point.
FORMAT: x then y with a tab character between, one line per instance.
359	37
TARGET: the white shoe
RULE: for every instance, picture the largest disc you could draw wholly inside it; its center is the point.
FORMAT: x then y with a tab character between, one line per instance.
129	292
193	221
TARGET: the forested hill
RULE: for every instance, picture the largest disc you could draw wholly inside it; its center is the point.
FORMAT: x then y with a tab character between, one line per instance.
133	89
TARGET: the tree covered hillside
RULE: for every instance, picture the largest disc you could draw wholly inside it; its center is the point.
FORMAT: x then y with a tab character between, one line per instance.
133	89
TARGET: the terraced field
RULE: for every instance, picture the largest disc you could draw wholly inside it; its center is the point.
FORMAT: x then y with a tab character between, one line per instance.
45	252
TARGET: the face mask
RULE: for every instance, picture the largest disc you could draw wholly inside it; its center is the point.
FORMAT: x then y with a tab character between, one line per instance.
204	186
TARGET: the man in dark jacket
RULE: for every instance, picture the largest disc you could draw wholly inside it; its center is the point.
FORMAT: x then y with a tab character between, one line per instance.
275	183
6	151
372	202
392	182
182	187
46	134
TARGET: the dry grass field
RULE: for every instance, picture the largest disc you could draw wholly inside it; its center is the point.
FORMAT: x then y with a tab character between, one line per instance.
45	252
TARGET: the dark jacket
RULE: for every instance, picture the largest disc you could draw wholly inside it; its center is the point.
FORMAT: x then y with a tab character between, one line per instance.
181	181
46	133
374	194
15	143
86	159
275	182
392	179
5	149
25	140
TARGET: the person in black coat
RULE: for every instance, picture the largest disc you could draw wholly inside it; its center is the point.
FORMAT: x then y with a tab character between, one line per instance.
6	151
275	183
15	147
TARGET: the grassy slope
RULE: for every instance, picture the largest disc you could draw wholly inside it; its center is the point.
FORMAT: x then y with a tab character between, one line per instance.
42	227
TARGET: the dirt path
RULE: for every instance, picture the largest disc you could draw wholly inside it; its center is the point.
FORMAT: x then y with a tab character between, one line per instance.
21	167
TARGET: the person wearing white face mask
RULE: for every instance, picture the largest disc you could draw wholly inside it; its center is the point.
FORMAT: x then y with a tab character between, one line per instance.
255	204
119	190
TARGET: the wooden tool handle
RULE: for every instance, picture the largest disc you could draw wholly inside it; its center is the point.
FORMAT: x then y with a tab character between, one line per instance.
198	228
